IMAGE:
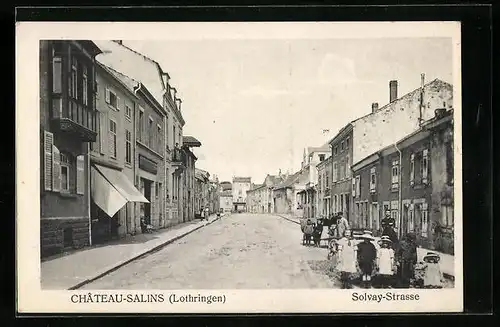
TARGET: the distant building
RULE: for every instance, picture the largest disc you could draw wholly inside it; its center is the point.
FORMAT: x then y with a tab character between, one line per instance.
323	189
286	195
240	186
202	185
226	201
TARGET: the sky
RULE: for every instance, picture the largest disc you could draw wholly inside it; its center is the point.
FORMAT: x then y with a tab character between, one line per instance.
256	104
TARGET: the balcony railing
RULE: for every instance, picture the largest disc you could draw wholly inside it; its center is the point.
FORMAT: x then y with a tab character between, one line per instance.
75	118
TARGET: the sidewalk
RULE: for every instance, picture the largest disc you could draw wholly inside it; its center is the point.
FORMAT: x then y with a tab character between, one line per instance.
447	260
75	270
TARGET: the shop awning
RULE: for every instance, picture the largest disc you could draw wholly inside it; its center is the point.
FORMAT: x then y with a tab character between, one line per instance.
111	190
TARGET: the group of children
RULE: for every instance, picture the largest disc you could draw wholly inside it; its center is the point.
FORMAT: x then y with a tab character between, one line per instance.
385	263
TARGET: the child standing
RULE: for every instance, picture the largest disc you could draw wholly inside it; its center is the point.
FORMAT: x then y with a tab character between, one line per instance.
385	263
347	259
366	255
433	277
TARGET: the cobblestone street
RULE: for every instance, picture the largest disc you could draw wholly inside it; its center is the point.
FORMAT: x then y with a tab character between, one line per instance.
239	251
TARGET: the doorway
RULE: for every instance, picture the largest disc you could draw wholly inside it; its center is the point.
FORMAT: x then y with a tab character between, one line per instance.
146	189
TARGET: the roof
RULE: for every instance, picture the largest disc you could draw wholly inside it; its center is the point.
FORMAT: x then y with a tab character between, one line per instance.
275	179
376	130
190	141
127	82
227	193
288	182
242	179
256	187
201	174
408	139
312	149
226	186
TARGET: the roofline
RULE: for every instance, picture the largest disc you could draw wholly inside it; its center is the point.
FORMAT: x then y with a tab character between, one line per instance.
110	71
149	97
346	129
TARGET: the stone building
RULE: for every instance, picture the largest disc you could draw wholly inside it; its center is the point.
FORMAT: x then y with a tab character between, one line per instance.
324	178
189	142
286	195
68	124
380	128
113	158
201	189
240	186
411	181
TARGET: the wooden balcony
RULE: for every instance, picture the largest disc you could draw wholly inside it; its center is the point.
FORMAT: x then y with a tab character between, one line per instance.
178	160
75	119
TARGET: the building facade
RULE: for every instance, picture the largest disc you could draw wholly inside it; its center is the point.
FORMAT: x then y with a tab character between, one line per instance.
240	186
202	186
286	195
310	196
324	178
67	125
410	181
113	158
189	176
226	201
372	132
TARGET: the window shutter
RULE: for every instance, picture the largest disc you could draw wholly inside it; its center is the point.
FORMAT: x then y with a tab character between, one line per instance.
57	75
425	168
102	131
354	187
107	95
48	142
80	174
117	103
412	169
56	169
111	141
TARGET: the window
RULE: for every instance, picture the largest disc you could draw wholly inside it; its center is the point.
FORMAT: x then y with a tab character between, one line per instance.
56	74
373	180
321	157
335	203
128	147
342	146
347	143
395	174
449	162
112	138
335	174
425	166
394	210
327	185
447	218
412	169
150	133
128	112
48	139
347	167
425	220
159	136
174	135
411	218
335	150
141	124
65	171
85	94
157	189
356	189
73	85
342	170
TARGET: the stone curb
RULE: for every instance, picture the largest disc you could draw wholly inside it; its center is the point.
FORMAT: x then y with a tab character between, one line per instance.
445	275
136	256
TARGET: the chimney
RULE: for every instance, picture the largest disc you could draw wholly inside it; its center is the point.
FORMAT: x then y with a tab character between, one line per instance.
393	90
440	112
374	107
178	103
120	42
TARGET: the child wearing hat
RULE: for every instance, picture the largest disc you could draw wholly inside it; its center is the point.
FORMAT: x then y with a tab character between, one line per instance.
432	277
385	263
347	259
366	255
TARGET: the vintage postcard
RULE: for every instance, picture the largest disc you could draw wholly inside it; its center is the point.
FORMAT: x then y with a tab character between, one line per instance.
239	167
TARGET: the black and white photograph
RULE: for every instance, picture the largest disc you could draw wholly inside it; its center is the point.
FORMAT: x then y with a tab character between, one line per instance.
184	165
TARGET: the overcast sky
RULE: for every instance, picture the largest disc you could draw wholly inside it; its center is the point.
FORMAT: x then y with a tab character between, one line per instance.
255	104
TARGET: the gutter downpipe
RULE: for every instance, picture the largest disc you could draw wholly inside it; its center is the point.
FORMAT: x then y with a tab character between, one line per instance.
400	186
88	194
137	184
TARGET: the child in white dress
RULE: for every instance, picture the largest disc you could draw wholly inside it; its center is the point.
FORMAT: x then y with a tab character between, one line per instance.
346	264
385	263
433	277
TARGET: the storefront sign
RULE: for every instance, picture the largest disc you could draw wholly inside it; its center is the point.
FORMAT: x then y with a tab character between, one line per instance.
147	165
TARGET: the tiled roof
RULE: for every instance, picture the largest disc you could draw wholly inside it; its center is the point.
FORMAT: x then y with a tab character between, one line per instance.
289	180
128	82
190	141
133	64
242	179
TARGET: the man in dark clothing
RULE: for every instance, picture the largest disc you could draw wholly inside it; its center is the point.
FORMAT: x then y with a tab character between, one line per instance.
318	230
367	253
406	255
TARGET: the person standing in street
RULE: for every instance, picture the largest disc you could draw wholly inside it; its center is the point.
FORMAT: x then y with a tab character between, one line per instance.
385	263
206	213
366	255
346	264
407	259
342	225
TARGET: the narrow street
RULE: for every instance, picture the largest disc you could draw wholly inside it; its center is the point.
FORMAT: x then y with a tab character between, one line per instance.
237	252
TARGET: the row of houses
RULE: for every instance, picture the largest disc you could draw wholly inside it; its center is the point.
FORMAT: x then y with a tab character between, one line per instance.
395	161
112	145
